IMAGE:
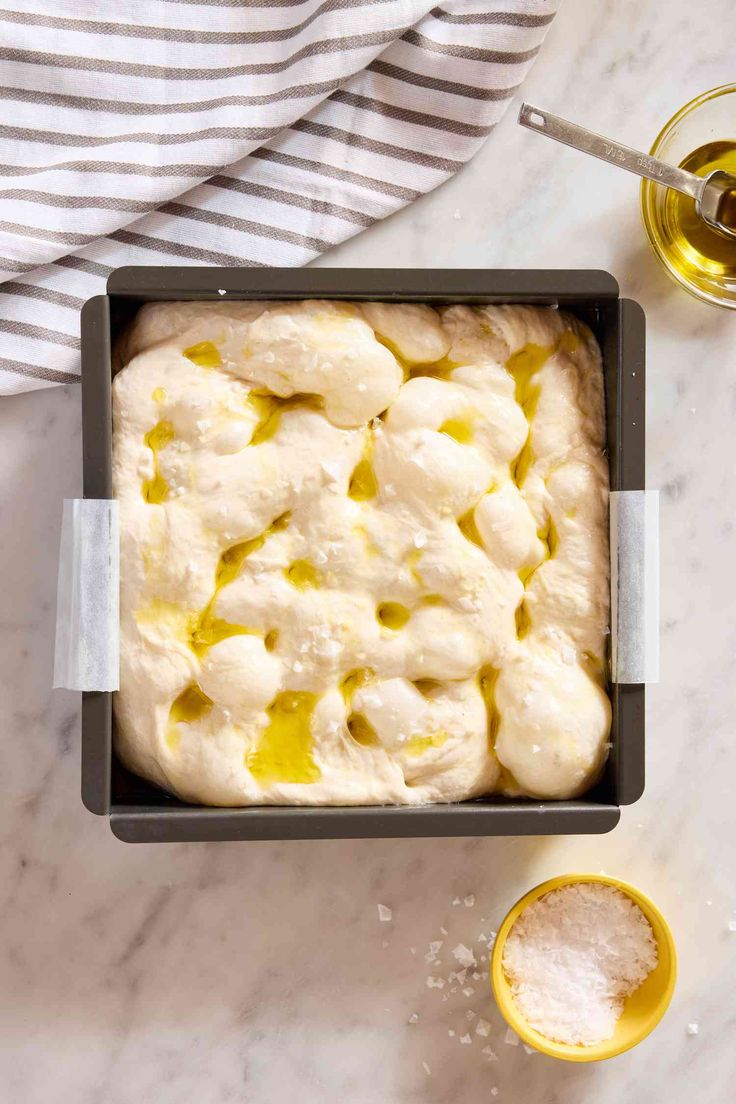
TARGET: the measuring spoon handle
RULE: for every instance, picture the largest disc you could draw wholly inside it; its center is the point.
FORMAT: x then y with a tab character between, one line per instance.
626	158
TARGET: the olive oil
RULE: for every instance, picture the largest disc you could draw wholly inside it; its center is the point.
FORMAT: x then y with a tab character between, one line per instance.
487	678
359	727
303	574
460	429
523	620
206	629
469	529
426	687
550	541
191	705
392	615
209	630
362	731
270	408
355	680
284	751
417	745
689	244
205	354
363	486
524	364
440	369
156	489
232	559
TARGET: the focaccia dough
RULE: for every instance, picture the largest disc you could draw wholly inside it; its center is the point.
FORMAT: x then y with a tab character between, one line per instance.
364	553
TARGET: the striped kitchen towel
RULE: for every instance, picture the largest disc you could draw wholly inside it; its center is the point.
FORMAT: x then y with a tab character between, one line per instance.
224	132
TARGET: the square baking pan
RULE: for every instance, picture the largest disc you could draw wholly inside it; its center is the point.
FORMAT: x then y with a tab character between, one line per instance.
138	811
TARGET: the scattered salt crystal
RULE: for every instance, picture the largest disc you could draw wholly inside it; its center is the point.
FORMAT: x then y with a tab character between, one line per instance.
475	975
470	1014
444	931
469	901
511	1038
221	291
465	1040
483	1028
484	958
420	539
529	1050
413	1018
435	982
456	901
494	1091
457	214
446	995
360	387
693	1028
331	469
732	925
482	937
451	1033
297	666
384	913
490	1054
464	955
536	749
413	950
461	975
384	944
468	991
426	1069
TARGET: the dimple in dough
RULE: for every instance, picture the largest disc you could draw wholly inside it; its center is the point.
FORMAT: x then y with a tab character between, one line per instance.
364	552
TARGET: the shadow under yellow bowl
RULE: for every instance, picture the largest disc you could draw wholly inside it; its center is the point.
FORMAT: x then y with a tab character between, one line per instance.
643	1009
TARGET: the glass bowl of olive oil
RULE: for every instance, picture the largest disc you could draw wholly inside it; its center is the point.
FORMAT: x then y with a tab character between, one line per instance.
701	137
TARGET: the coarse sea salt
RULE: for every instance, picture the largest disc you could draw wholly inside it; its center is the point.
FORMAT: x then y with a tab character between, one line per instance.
464	955
573	957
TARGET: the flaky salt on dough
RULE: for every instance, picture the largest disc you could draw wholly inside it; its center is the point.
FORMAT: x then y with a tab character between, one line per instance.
480	516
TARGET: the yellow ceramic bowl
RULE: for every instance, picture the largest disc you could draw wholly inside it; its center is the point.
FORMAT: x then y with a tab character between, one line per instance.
643	1009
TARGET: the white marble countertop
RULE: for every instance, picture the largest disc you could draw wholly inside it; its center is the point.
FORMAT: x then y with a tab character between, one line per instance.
260	972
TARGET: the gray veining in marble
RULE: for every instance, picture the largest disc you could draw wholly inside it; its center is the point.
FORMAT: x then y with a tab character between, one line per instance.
260	972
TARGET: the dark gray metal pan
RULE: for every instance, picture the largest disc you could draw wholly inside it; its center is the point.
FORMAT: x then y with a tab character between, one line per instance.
138	811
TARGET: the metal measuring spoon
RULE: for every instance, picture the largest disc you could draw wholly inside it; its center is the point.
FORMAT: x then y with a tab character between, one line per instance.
714	194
